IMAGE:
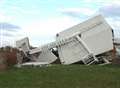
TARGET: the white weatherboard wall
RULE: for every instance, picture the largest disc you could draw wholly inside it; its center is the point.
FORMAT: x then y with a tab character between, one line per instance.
72	52
95	32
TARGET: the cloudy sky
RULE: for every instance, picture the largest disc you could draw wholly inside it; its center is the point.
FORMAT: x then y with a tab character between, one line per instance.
40	20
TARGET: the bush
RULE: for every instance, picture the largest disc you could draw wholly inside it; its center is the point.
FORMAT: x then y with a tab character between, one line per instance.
3	62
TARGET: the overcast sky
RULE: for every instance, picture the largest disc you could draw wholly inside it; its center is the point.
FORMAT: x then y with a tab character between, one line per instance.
40	20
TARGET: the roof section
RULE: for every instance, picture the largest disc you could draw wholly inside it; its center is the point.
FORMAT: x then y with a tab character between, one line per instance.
82	27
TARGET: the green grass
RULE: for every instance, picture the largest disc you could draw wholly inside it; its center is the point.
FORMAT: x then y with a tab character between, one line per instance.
59	76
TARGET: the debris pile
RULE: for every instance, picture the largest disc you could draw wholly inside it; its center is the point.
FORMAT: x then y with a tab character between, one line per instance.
88	42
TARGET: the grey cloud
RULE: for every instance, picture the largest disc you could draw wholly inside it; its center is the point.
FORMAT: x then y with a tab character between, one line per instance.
7	35
9	27
77	12
110	11
73	14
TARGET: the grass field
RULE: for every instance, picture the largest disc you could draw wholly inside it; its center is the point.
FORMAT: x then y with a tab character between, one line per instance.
59	76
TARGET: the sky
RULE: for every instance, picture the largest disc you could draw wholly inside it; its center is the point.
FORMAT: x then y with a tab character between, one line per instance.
40	20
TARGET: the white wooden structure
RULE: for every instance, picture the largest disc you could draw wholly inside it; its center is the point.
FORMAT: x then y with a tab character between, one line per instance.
79	43
95	34
23	44
37	54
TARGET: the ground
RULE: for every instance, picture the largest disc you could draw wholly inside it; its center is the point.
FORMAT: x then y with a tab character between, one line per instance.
62	76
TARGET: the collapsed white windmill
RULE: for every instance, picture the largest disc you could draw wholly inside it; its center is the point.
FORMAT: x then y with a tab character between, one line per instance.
79	43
